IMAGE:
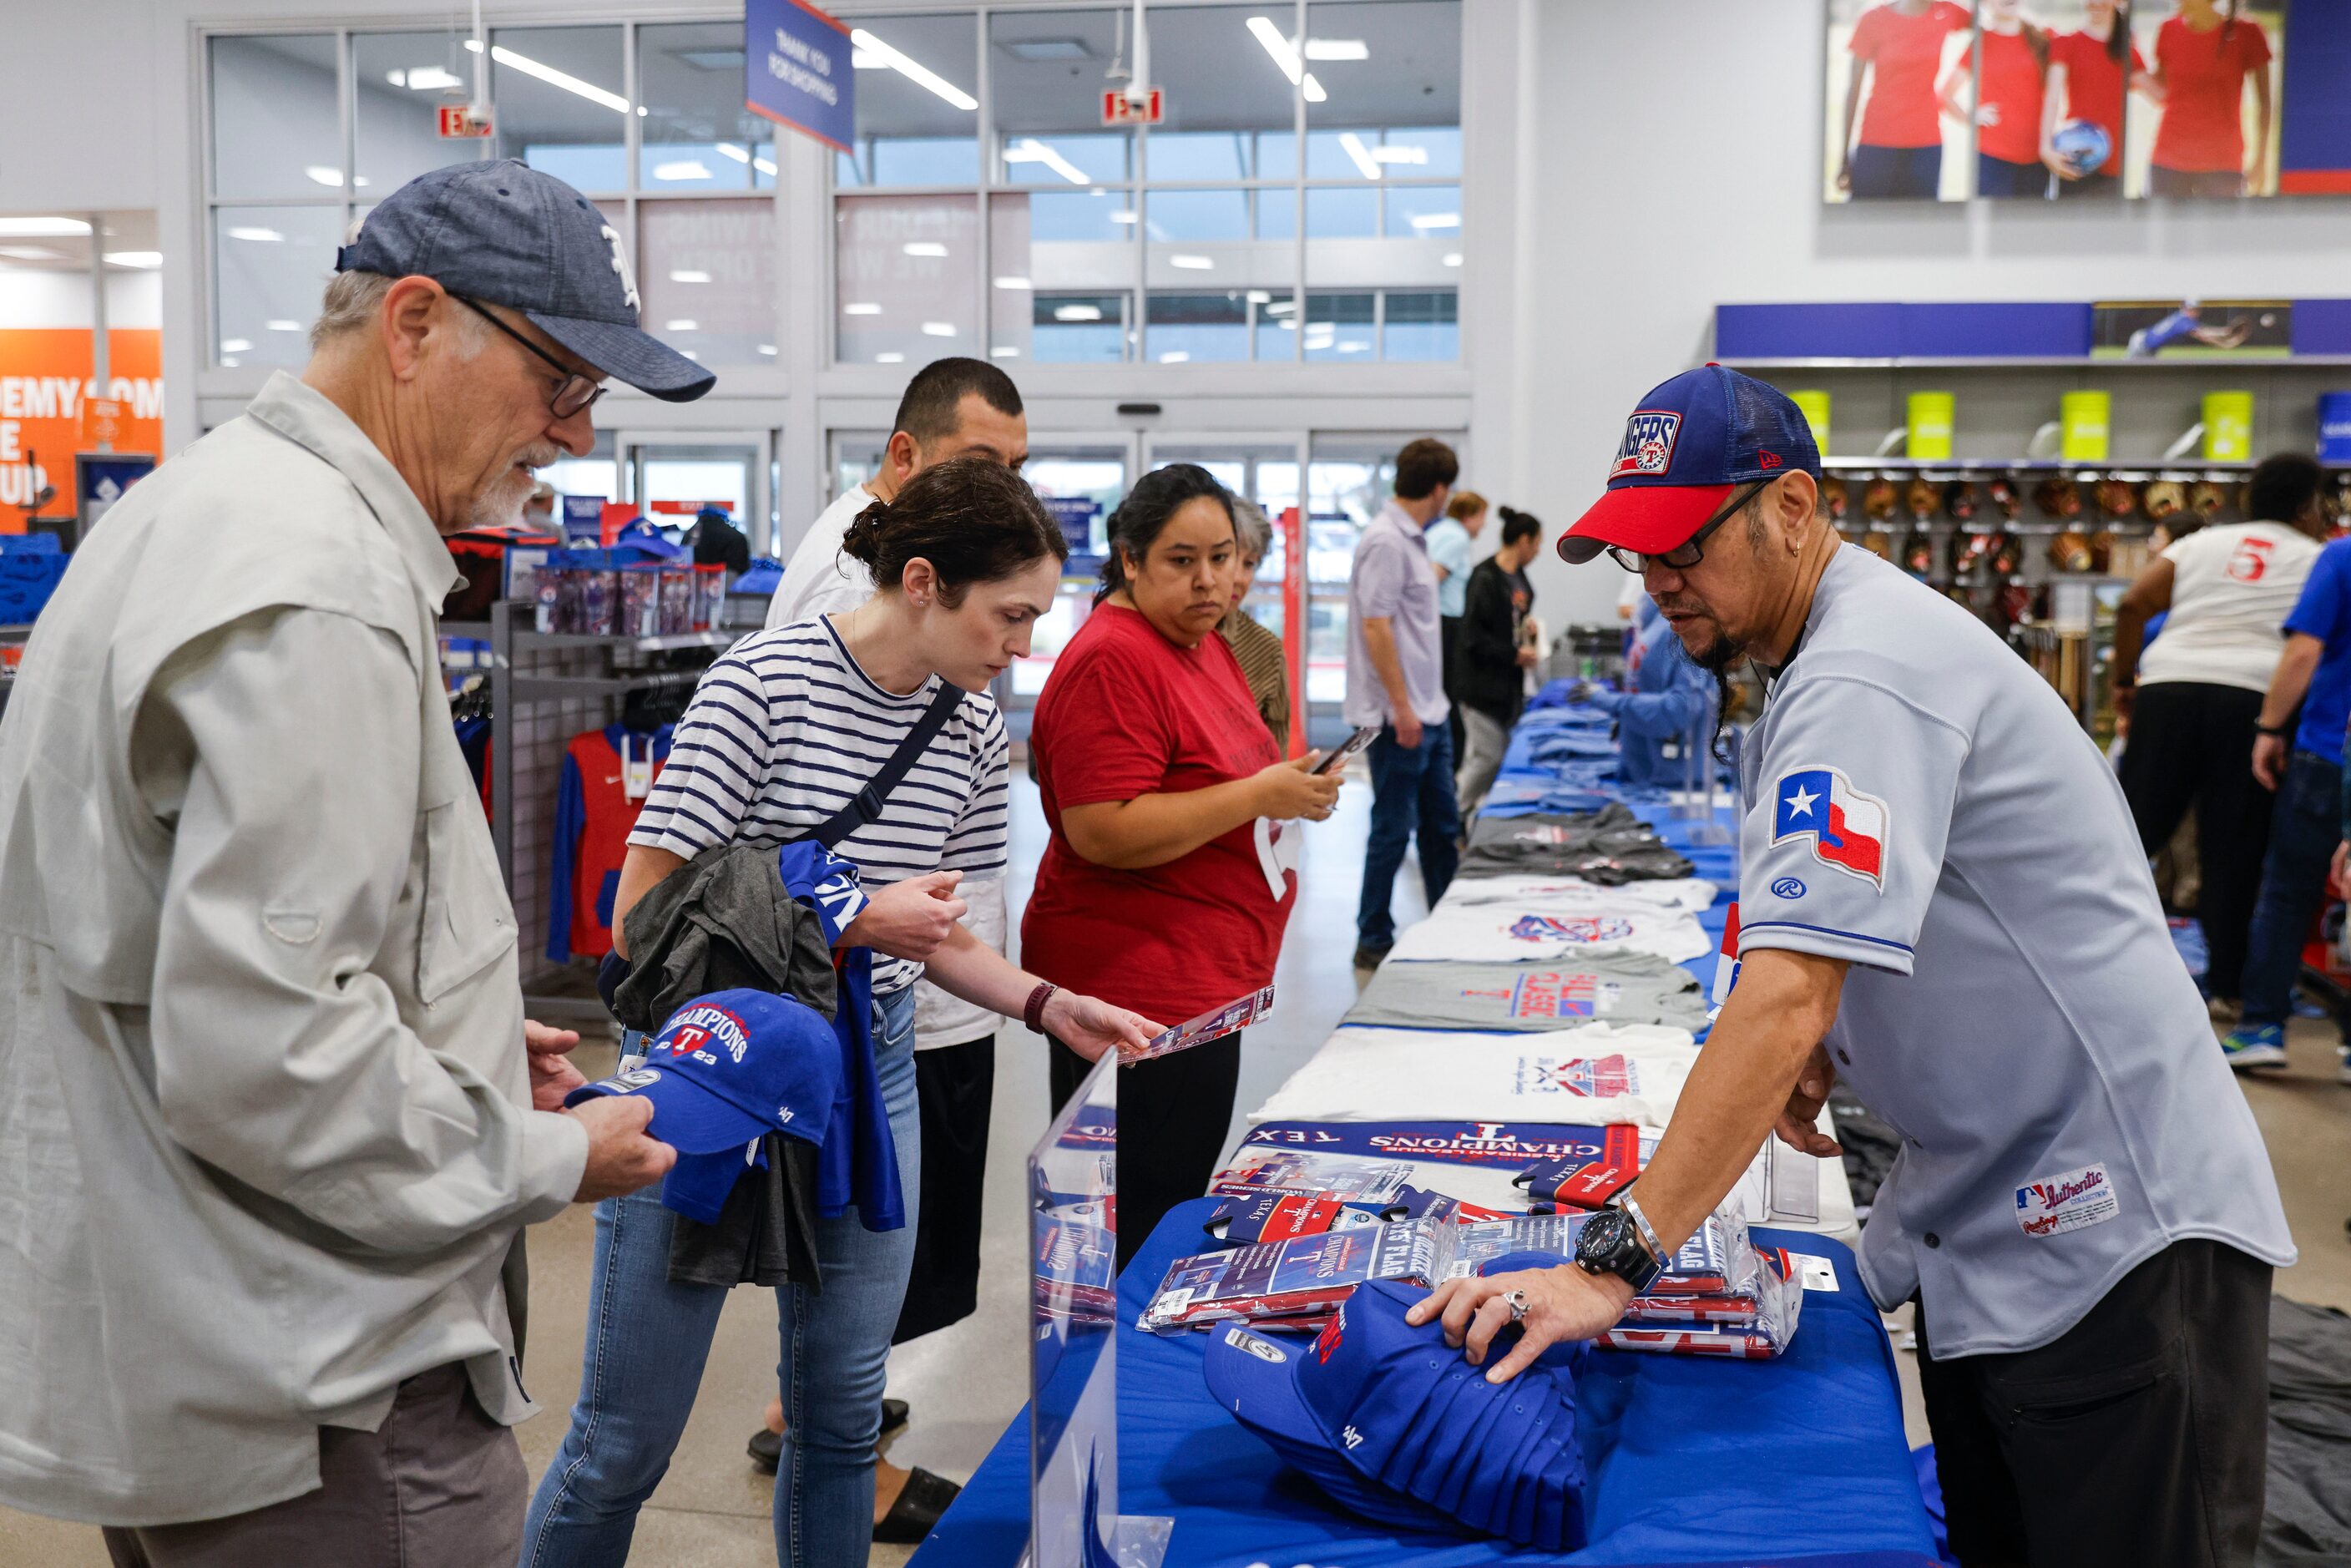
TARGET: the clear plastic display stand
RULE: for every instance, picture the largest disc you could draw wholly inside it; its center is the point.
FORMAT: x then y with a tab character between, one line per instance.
1073	1517
1700	796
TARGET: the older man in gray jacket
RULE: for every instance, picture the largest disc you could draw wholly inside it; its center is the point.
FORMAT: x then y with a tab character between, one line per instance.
270	1136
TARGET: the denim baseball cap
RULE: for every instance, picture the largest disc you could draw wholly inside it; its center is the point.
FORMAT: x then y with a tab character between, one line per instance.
1689	444
504	233
731	1066
1378	1403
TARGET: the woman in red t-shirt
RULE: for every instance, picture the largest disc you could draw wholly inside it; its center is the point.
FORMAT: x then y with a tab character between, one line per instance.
2090	73
1895	147
2203	59
1165	877
2008	101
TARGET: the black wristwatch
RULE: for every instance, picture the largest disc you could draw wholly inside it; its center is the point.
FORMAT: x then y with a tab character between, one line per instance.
2275	731
1611	1243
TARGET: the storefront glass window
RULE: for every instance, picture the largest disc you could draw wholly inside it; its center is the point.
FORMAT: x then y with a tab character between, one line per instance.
276	125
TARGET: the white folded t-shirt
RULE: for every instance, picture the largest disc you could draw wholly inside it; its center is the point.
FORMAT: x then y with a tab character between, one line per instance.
1690	895
1554	925
1593	1075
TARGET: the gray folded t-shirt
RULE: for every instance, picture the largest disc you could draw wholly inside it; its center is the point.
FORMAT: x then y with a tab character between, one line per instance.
1620	989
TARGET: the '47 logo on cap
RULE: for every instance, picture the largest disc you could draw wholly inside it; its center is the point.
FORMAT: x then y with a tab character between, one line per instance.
1648	449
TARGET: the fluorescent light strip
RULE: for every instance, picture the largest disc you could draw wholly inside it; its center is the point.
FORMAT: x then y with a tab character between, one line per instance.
683	169
1193	263
860	307
43	228
938	330
1352	146
1029	150
1424	222
1284	55
1077	313
923	248
687	274
33	252
145	260
258	236
683	325
912	70
1400	154
553	78
743	155
1337	49
1014	283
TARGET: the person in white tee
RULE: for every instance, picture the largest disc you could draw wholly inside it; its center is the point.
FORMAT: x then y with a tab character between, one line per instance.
952	408
2192	698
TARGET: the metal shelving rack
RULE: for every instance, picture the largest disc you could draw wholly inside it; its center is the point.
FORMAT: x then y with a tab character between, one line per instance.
512	690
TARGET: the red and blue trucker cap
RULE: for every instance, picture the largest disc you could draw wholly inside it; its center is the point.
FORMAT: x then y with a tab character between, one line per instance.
1688	445
730	1066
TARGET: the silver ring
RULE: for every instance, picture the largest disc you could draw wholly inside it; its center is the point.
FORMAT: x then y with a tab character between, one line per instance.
1517	1300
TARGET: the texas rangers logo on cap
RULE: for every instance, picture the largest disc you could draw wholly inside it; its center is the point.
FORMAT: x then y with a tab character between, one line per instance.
1648	446
1847	827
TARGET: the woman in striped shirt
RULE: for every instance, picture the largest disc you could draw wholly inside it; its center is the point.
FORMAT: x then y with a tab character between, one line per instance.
784	731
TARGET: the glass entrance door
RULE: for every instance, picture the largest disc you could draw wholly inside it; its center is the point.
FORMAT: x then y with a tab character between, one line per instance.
1349	478
1081	480
672	479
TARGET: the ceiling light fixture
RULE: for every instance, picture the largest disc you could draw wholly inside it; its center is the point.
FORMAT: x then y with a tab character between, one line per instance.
1424	222
256	236
938	330
33	253
682	324
1193	263
860	307
1453	258
1077	313
424	78
914	70
769	349
1400	154
1337	49
1282	307
1124	216
1352	146
890	359
43	228
235	345
683	169
143	260
1003	353
1175	357
282	324
929	247
1285	57
687	274
1014	283
550	76
744	155
1029	150
324	174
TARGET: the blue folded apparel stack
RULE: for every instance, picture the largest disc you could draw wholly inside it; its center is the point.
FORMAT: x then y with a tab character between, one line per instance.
1393	1424
31	567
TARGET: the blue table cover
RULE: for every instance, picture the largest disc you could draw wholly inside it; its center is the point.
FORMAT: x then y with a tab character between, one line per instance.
1799	1461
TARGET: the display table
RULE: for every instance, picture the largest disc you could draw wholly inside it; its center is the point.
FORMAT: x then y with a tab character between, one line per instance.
1797	1461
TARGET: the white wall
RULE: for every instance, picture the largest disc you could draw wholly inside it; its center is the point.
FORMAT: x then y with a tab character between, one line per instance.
1676	153
77	122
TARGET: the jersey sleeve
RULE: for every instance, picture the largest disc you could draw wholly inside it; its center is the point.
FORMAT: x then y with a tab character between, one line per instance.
717	755
1843	842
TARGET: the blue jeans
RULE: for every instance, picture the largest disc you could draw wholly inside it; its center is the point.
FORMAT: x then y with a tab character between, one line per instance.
1410	788
1880	172
647	1340
2305	825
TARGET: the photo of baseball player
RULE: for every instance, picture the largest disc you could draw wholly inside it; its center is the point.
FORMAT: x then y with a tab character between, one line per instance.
2093	68
1888	136
2208	115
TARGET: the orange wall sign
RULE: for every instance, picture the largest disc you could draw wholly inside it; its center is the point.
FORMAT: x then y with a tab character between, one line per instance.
44	386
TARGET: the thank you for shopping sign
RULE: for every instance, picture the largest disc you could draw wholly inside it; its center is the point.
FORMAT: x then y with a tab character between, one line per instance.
796	71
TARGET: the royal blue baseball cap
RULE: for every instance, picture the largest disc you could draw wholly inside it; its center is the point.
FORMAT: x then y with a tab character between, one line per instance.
1377	1403
504	234
731	1066
1689	444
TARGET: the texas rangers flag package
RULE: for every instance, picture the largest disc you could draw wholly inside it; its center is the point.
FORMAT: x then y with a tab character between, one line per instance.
1350	1180
1279	1215
1582	1180
1306	1276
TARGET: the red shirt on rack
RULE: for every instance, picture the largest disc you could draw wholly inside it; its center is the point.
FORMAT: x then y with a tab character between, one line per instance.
1127	713
2012	88
1906	53
2095	87
2203	130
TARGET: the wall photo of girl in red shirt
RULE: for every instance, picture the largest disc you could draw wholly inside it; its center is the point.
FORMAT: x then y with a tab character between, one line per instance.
2093	69
2008	99
2212	65
1887	143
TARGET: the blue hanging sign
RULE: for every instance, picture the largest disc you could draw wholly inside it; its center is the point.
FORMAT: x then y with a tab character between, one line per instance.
796	71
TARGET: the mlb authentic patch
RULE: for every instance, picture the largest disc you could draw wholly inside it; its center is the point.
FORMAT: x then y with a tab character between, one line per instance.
1847	827
2071	1200
1647	452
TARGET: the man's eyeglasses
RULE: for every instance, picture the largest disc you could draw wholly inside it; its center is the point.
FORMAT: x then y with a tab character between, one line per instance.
1691	551
577	392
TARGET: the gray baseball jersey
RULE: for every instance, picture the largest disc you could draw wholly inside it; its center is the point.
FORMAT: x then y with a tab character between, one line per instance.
1622	988
1919	802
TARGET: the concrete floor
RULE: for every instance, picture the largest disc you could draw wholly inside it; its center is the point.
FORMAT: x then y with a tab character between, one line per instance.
966	1382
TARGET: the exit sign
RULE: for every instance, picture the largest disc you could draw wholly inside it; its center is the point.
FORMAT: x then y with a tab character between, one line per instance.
459	123
1120	109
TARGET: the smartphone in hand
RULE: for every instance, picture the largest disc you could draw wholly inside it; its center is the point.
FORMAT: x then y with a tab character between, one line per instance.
1351	744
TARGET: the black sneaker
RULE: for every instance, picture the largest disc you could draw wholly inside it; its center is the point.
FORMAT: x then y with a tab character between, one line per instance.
1369	958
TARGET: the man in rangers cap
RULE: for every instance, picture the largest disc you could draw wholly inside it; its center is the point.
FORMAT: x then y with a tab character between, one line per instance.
1946	903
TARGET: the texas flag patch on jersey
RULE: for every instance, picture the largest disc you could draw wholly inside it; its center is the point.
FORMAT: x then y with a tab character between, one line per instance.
1648	450
1847	827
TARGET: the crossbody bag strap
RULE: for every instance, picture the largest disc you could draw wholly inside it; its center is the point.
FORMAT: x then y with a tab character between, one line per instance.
865	806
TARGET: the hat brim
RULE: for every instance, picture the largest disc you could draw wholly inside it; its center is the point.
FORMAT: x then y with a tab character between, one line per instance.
686	1117
629	354
1263	1396
1650	519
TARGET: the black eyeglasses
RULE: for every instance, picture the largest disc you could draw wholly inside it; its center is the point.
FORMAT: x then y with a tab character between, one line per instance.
1691	551
577	392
